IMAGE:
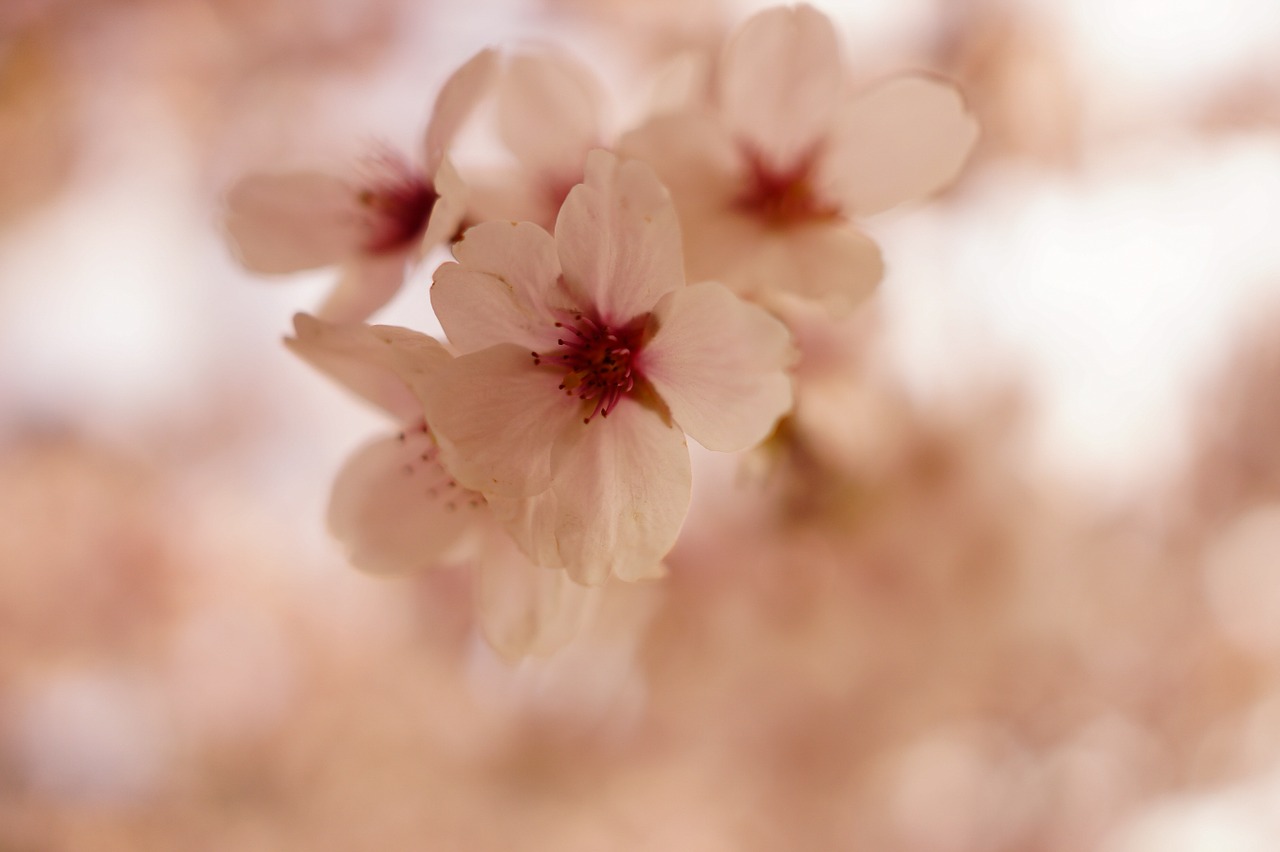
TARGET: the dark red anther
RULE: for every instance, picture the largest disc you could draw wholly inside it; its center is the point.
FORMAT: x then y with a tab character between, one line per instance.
598	361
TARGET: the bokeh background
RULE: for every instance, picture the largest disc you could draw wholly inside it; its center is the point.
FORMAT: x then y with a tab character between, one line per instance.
1008	580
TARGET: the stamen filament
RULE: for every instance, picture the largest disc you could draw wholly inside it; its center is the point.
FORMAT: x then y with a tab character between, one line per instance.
598	360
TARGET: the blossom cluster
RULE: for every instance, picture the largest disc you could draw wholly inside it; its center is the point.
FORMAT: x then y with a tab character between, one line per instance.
610	296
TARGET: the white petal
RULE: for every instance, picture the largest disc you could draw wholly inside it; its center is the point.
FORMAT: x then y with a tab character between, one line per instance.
620	494
288	222
524	609
370	362
780	78
501	290
448	211
549	113
367	283
619	239
718	363
497	416
458	97
393	509
901	141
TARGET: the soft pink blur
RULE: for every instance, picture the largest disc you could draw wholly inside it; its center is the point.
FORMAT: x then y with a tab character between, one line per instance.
1006	579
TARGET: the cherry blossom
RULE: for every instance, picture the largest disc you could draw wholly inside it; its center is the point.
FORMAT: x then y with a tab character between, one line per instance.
395	509
586	358
372	224
550	112
769	176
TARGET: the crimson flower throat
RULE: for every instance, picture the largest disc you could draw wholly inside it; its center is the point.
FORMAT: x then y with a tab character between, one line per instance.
397	202
598	359
783	197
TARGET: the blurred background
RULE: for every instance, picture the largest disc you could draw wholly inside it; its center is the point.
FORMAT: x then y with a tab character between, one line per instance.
1007	580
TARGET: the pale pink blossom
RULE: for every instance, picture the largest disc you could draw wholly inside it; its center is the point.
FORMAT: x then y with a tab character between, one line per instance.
770	176
585	360
372	225
550	112
395	509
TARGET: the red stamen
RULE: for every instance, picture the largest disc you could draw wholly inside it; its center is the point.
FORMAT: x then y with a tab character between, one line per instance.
598	361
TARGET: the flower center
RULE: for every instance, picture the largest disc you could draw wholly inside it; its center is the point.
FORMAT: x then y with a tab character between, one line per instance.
599	361
397	200
783	197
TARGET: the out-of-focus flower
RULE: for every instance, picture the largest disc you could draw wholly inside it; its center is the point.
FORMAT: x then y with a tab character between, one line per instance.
396	509
371	225
36	126
550	113
393	507
649	31
768	177
1236	467
1015	72
586	359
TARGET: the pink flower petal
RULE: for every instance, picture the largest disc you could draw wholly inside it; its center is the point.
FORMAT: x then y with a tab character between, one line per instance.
453	106
717	362
722	245
367	283
524	609
834	264
393	509
496	416
415	358
281	223
686	80
620	494
632	572
373	363
825	261
530	523
550	113
502	288
448	212
780	77
693	155
508	194
696	158
619	239
901	141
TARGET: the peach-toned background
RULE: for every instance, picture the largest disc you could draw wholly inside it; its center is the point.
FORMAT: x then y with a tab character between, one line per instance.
1016	589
